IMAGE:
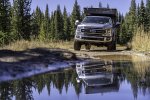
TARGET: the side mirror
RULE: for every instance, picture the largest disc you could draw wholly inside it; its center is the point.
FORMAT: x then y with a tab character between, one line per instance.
117	24
77	22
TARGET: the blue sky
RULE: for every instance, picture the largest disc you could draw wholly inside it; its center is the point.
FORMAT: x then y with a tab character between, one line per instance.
121	5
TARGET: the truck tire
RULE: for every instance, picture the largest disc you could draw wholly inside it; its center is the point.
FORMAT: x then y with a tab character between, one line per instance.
111	46
77	46
87	47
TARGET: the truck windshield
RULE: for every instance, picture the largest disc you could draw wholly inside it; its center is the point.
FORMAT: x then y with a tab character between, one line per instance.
97	19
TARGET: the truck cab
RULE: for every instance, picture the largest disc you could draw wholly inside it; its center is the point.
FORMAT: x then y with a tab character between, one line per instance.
97	28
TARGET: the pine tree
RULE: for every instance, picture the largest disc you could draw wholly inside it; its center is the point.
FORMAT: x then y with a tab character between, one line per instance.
148	15
132	16
42	32
47	22
5	9
58	20
130	23
22	18
39	15
5	22
123	36
52	26
36	21
126	29
69	28
66	27
120	30
75	16
142	14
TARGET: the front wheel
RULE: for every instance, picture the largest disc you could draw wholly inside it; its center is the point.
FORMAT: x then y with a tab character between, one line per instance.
77	45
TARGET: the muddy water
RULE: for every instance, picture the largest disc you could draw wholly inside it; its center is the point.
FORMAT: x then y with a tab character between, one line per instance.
111	79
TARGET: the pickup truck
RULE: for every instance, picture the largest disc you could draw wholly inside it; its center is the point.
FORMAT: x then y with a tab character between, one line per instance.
97	28
95	73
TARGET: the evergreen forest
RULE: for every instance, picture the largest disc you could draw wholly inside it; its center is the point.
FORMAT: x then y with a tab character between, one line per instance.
17	22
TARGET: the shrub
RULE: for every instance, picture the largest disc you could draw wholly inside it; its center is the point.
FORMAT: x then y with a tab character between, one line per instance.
140	41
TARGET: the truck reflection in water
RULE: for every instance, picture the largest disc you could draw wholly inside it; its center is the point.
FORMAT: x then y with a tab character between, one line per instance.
98	76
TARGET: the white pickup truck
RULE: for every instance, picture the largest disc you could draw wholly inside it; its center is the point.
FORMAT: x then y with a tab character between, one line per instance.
95	73
97	28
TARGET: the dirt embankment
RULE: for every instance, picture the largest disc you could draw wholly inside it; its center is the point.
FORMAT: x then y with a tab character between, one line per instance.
121	54
45	55
37	55
39	51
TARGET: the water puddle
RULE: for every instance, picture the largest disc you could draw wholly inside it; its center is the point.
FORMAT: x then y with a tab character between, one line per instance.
26	70
84	80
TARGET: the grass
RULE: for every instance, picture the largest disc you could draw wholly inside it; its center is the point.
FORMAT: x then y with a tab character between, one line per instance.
141	68
141	40
23	45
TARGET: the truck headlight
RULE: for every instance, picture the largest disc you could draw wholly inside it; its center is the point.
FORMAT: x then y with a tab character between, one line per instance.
78	30
108	32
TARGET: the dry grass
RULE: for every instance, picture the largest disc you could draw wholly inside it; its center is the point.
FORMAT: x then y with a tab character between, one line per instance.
141	40
23	45
142	68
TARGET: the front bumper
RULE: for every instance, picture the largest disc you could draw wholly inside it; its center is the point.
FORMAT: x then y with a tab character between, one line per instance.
93	39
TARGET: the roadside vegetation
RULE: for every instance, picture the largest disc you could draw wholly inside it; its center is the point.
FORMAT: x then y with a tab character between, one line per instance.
141	40
136	26
18	24
21	45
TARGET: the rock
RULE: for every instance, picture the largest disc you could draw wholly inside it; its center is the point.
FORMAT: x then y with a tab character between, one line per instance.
68	55
129	46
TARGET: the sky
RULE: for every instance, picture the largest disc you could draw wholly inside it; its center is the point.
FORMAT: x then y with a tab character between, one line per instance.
121	5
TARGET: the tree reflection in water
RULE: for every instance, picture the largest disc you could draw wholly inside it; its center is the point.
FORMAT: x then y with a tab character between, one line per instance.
137	74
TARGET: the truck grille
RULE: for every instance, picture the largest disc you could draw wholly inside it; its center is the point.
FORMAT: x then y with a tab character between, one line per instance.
94	34
90	38
93	30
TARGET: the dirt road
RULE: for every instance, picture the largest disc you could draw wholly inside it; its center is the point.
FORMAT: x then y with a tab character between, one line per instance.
120	54
45	55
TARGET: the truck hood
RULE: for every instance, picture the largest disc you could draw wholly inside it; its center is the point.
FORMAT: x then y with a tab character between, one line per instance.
94	25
